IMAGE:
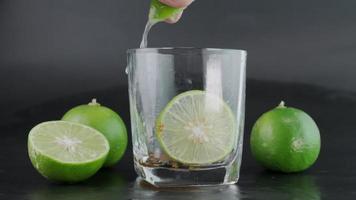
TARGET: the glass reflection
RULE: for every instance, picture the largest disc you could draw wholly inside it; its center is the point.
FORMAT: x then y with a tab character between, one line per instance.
104	185
270	185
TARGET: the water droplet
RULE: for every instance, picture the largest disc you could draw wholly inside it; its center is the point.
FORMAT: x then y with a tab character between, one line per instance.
188	81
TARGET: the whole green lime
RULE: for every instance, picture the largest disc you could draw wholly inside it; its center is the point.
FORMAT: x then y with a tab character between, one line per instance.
285	139
106	121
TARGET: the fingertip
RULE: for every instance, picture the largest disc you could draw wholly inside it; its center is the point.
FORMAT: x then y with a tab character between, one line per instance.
177	3
171	21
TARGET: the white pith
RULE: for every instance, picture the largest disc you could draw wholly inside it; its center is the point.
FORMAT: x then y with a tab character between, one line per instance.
68	144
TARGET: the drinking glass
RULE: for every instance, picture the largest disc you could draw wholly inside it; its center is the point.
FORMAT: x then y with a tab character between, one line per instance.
187	114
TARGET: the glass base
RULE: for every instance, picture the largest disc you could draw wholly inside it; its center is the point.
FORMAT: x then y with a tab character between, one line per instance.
174	177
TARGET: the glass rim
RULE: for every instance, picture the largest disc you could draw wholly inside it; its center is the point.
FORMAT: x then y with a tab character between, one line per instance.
187	49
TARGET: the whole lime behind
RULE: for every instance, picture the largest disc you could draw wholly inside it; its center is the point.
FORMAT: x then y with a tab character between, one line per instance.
285	139
107	122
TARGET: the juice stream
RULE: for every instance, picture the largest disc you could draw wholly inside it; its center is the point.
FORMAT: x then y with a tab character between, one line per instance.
148	27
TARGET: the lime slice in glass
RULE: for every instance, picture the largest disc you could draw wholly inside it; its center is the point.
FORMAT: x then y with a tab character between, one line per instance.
160	12
66	151
196	128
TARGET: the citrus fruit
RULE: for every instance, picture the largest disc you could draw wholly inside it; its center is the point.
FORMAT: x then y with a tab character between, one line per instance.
285	139
66	151
107	122
160	12
196	127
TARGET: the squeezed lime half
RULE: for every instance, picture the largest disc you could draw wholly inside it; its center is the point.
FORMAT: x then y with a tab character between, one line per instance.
196	128
66	151
160	12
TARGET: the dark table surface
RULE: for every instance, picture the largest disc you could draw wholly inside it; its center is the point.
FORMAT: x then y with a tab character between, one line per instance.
332	177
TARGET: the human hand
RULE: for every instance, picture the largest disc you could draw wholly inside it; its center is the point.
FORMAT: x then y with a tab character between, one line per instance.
176	4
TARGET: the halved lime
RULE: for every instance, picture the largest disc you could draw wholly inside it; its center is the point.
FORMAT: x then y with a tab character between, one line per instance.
66	151
160	12
196	128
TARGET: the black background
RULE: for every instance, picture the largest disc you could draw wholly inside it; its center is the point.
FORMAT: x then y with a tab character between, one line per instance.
50	49
58	54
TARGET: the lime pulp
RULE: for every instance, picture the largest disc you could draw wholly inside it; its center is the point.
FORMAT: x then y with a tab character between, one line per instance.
196	128
66	151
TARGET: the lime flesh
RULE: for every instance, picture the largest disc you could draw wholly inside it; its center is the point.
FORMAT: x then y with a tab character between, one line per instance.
196	128
66	151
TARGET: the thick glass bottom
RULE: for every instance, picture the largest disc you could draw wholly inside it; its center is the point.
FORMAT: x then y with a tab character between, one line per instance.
175	177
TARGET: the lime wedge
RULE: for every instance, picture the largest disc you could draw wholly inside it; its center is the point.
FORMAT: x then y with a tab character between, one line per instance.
160	12
66	151
196	128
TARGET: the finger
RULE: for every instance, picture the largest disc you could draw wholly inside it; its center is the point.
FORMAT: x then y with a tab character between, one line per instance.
177	3
174	19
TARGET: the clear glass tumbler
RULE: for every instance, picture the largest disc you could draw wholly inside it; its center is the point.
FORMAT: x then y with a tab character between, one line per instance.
187	114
